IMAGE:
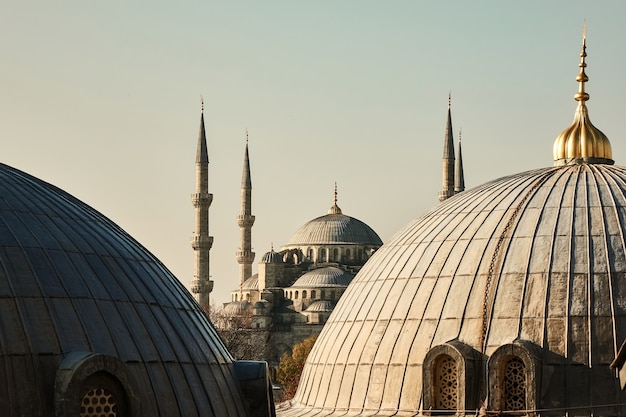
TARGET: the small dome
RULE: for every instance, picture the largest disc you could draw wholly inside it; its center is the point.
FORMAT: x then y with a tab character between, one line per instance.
323	306
272	257
324	277
236	308
251	283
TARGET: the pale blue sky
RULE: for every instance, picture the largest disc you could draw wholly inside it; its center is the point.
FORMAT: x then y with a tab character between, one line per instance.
102	98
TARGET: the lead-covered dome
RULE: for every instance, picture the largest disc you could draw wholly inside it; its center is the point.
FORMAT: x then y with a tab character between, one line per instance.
334	228
327	277
535	260
88	316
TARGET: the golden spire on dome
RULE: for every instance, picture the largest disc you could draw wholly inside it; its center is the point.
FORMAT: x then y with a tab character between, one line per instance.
335	208
582	142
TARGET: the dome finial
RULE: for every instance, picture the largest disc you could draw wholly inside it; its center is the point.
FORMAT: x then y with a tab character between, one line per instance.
582	142
335	208
201	103
582	78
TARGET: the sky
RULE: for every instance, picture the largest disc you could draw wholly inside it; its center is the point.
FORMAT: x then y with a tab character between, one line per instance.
102	99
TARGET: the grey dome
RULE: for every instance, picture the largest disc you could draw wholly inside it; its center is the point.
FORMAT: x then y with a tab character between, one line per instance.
334	228
251	283
272	257
322	306
236	308
329	276
78	293
543	253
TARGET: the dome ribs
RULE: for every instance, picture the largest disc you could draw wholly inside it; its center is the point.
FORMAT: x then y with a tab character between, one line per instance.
614	220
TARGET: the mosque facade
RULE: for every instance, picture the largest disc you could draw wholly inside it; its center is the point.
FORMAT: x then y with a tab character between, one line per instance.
505	299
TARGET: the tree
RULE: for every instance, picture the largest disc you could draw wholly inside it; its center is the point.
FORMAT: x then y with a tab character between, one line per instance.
290	366
236	332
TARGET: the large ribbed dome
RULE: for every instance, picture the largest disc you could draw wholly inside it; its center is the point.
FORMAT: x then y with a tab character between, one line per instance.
88	314
334	228
532	265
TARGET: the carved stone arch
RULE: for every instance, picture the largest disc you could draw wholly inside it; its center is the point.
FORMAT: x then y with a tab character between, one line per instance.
514	373
84	378
436	370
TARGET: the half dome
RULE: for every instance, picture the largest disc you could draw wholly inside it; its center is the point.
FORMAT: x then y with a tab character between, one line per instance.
329	276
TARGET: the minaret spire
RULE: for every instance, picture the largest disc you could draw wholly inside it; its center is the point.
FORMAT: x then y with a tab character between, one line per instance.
201	242
448	158
459	177
245	220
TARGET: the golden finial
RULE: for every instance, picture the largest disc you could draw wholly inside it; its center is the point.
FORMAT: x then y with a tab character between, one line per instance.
335	208
582	78
582	142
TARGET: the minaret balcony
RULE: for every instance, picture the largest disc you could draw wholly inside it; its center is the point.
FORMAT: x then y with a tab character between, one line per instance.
201	242
201	199
245	257
199	286
245	220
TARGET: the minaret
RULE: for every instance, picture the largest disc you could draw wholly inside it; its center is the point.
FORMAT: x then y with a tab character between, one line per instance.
245	220
201	242
448	159
459	178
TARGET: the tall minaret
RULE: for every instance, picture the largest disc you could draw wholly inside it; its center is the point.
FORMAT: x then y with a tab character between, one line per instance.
201	242
459	178
245	220
448	159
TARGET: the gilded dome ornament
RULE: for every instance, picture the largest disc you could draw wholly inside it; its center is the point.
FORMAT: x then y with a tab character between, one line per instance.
582	142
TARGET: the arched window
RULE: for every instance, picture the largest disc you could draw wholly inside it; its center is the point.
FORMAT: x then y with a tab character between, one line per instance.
310	254
248	297
322	255
313	294
332	295
304	294
445	384
323	296
236	297
335	254
513	370
514	384
92	384
450	378
348	255
296	295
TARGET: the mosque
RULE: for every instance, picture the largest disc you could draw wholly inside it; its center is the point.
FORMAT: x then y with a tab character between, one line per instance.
505	299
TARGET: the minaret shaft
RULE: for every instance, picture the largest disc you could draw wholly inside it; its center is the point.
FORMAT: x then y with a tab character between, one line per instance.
245	220
201	241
